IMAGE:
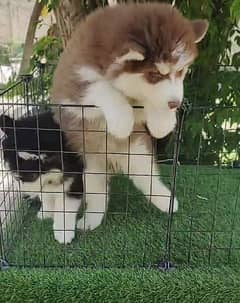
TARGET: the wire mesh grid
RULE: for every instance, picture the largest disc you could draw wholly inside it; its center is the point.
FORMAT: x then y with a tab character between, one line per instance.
132	232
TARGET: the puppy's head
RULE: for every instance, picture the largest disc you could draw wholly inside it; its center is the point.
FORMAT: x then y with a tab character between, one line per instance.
20	149
159	46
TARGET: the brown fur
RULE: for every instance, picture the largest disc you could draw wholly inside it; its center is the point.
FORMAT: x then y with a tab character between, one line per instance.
109	33
151	32
105	35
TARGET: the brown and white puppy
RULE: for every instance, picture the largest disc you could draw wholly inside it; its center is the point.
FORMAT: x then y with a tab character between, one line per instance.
120	56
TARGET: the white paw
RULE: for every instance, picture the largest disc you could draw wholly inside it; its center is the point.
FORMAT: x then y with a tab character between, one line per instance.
160	133
161	123
121	124
90	221
163	203
64	237
44	214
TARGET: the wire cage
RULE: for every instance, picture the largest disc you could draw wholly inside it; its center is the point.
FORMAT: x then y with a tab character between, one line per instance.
133	233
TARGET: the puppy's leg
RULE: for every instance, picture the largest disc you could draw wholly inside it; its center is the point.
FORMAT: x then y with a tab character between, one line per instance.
96	189
145	175
65	213
160	122
115	107
47	207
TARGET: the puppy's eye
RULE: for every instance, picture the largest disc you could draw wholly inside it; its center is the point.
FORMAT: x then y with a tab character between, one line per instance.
154	76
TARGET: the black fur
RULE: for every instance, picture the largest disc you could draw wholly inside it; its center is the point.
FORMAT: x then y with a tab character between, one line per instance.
40	135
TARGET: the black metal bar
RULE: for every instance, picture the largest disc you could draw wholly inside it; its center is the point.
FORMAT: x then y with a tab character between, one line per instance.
26	80
166	264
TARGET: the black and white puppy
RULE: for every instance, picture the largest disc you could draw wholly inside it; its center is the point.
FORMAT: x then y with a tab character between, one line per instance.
35	151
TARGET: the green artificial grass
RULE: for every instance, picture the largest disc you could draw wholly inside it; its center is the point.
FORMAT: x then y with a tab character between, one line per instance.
120	286
205	230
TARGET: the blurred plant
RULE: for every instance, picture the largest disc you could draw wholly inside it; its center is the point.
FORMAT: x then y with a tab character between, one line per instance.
45	56
235	10
213	83
4	55
46	53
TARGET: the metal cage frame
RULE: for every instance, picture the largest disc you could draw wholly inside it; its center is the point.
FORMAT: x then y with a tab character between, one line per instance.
22	98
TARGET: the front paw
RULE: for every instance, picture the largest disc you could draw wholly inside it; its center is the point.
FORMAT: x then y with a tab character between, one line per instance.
64	236
163	203
161	123
159	133
90	222
121	123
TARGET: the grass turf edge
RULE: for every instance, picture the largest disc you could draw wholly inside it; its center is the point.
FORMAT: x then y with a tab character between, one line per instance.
50	286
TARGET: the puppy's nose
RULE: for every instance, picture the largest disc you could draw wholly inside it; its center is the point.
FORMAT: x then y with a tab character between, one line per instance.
174	104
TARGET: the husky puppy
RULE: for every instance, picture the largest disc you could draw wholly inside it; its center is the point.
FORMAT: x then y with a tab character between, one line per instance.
120	56
35	151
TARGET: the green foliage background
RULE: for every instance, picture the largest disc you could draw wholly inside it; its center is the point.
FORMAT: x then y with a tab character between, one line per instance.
212	84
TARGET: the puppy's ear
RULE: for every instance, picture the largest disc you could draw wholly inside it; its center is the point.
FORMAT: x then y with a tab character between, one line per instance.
200	28
6	124
6	121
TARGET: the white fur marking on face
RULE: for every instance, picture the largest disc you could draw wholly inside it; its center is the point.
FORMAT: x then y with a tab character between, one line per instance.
184	57
42	183
179	50
131	55
163	68
28	156
158	95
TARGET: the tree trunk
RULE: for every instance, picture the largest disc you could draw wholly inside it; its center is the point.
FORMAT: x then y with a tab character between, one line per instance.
112	2
29	41
67	14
